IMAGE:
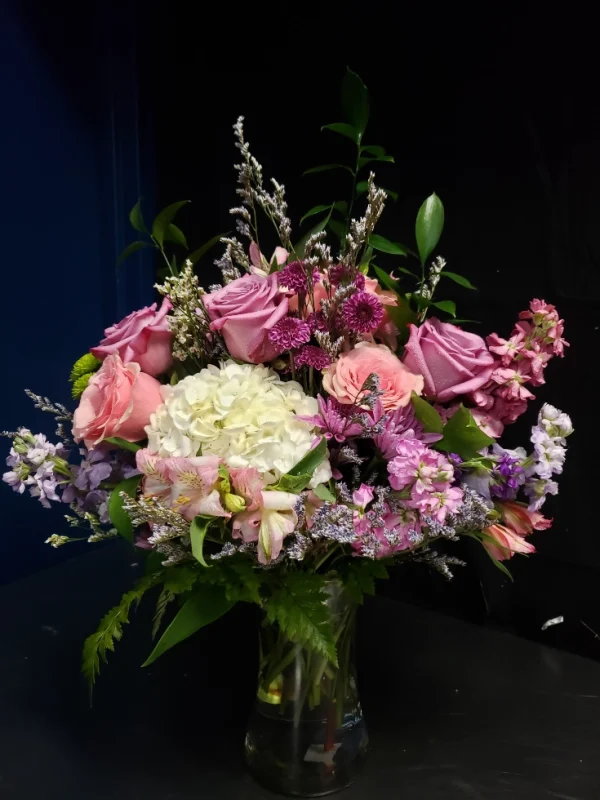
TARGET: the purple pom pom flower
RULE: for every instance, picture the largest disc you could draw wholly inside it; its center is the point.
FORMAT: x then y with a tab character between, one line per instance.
289	332
362	312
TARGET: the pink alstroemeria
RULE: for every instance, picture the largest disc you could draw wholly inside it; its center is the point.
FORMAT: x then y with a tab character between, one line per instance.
186	485
522	521
361	498
505	542
260	265
269	516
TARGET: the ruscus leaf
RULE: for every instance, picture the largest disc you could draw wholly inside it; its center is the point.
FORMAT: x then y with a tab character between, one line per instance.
175	234
315	210
449	306
123	444
349	131
429	226
196	255
385	246
460	279
134	247
327	167
162	220
355	101
136	219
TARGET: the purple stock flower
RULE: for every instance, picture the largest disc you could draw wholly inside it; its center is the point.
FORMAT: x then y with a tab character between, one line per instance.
507	475
289	332
336	420
362	312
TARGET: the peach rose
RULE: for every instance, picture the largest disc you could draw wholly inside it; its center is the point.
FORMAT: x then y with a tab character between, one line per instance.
345	377
117	401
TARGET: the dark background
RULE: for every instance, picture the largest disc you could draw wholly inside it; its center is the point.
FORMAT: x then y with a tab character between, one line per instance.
495	111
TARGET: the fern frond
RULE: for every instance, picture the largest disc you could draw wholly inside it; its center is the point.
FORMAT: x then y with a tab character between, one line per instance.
164	598
110	630
299	608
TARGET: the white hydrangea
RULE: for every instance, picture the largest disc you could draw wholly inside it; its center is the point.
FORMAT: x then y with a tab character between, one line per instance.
241	412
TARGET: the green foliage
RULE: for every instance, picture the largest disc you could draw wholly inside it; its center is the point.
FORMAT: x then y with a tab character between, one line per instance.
427	415
349	131
241	580
175	234
327	168
123	444
80	385
198	530
339	205
323	493
130	249
449	306
402	314
387	280
359	577
462	435
164	598
385	246
355	102
118	516
196	255
460	279
300	246
163	219
362	186
300	475
298	607
207	603
136	219
177	581
83	365
429	226
110	630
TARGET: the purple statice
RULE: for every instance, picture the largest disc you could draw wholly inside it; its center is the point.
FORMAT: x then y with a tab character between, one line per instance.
472	514
288	333
294	277
333	521
507	477
362	312
336	420
311	356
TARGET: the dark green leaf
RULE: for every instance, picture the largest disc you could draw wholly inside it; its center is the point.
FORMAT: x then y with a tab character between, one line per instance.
401	314
457	279
136	219
162	220
293	483
315	210
427	415
309	463
320	226
344	130
449	306
327	167
429	226
341	206
323	493
197	254
385	246
406	271
463	435
355	101
130	249
462	321
175	234
198	530
386	280
338	228
124	444
118	517
362	162
373	149
207	603
362	186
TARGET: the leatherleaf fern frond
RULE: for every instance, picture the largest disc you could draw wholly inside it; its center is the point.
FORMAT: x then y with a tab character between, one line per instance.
298	607
110	630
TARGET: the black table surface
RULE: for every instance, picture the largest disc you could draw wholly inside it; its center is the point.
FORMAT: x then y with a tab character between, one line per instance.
454	710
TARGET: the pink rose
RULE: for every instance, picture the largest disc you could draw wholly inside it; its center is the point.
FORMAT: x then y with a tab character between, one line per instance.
118	401
452	361
142	337
387	330
346	376
244	311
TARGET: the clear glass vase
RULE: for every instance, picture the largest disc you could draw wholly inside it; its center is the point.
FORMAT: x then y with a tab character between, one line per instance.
306	736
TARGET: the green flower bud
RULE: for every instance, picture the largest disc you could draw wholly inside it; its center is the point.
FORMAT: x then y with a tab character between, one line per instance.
81	384
86	364
234	503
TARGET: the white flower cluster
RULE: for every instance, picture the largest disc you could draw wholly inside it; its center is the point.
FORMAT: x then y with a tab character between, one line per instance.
243	413
548	438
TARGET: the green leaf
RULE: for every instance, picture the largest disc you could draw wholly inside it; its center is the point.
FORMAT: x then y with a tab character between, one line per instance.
373	149
130	249
198	530
323	493
462	435
363	161
315	210
207	603
462	281
362	186
118	516
293	483
429	226
301	244
99	644
355	101
80	385
164	598
162	220
309	462
385	246
406	271
201	251
338	228
136	219
327	168
349	131
449	306
427	415
298	607
124	444
87	363
359	577
386	280
175	234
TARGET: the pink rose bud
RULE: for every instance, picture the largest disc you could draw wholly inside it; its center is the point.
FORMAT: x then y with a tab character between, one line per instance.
117	401
142	337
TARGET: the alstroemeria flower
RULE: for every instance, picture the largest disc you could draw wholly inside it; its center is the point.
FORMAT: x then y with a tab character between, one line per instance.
260	265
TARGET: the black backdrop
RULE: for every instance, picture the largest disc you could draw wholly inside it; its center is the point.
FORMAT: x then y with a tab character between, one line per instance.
493	110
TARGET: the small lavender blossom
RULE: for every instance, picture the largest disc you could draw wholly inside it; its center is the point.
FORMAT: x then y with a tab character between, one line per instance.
362	312
288	333
537	489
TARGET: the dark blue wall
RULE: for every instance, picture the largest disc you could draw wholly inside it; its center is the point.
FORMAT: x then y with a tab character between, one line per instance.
70	167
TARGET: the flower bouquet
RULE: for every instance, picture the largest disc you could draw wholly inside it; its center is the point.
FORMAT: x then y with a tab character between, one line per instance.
283	438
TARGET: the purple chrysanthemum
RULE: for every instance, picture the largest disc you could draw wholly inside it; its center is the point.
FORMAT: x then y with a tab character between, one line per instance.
340	273
289	332
293	277
362	312
311	356
316	322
